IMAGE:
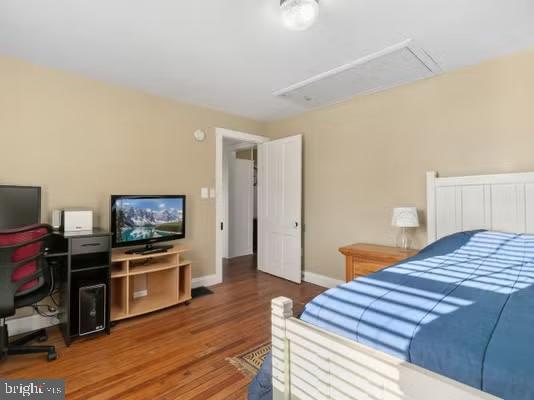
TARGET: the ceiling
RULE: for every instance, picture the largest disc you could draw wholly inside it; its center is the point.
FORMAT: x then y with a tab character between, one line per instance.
232	55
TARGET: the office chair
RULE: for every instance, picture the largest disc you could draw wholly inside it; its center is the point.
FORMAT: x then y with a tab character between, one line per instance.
25	279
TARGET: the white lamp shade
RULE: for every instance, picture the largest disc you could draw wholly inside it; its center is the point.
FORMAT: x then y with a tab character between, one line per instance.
405	217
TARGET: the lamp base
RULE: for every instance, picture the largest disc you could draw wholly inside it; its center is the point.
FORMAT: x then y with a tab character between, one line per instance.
404	240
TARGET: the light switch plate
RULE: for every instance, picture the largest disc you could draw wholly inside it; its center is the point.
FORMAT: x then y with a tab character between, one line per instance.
204	193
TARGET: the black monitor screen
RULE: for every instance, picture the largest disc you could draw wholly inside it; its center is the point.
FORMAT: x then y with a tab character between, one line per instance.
19	206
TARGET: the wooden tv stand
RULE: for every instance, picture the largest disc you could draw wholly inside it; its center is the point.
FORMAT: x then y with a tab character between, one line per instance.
166	278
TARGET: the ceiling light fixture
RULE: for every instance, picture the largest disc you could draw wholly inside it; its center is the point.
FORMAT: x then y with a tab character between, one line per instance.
299	15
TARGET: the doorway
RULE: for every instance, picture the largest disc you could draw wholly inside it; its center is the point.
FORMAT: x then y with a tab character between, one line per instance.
236	187
278	204
241	235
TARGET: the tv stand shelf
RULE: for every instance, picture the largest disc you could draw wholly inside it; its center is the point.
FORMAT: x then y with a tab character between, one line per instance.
144	283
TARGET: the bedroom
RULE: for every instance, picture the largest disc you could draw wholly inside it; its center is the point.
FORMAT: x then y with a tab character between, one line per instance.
88	90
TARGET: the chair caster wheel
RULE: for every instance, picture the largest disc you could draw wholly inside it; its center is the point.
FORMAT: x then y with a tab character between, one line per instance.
42	339
52	356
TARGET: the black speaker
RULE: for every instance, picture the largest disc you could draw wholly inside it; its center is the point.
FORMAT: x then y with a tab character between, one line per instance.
92	309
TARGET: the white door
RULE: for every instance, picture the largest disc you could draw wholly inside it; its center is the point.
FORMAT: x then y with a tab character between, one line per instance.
241	203
279	208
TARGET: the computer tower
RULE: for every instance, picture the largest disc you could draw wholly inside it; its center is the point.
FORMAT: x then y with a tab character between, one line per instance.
92	309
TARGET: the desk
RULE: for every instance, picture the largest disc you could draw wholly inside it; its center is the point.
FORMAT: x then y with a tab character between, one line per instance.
79	259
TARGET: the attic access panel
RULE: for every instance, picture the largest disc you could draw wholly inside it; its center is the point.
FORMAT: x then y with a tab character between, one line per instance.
393	66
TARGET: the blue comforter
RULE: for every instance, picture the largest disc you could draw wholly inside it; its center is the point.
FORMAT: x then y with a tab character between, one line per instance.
463	307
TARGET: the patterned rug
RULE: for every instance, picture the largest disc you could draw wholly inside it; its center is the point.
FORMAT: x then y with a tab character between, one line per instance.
249	363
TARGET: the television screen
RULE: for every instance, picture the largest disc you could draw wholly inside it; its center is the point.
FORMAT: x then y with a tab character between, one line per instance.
147	219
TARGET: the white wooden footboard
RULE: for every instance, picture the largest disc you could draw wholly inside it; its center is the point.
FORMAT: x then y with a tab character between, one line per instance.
310	363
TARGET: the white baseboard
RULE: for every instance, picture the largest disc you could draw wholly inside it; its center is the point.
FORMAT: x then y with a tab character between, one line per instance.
208	280
30	323
321	280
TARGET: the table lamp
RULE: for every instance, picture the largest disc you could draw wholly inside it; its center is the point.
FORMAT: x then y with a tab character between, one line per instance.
405	218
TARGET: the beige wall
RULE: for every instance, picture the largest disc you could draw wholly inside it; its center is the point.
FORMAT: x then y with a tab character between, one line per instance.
368	155
82	140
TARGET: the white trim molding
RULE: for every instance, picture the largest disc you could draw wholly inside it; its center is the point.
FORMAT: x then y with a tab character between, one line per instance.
220	203
321	280
207	280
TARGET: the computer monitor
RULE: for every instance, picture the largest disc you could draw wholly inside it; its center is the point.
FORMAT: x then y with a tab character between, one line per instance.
19	206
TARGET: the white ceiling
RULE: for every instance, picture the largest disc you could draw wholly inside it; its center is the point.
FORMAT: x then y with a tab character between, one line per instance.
232	55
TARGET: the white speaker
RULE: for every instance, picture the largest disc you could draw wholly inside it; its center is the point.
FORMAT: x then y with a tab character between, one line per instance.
77	220
56	219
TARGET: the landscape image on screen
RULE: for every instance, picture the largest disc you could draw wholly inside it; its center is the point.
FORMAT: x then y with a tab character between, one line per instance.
141	219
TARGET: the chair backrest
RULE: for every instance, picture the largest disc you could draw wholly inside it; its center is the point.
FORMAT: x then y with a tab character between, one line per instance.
22	266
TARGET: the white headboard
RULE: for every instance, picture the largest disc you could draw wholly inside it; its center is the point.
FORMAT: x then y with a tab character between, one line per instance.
503	202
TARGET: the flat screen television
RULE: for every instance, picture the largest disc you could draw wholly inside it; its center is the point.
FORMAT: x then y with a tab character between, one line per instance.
145	220
19	206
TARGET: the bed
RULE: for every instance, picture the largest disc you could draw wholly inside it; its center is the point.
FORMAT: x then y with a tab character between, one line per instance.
453	322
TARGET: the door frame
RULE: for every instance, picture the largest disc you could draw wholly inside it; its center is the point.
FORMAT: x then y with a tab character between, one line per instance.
220	205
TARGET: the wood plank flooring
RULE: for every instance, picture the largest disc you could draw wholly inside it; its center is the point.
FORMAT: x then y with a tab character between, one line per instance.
178	353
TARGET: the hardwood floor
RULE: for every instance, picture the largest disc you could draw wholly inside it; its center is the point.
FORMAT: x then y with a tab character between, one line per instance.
178	353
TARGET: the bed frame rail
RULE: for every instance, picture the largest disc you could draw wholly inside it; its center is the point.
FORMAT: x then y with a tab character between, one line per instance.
312	364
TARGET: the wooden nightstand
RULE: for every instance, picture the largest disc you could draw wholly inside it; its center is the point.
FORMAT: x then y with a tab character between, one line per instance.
364	259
